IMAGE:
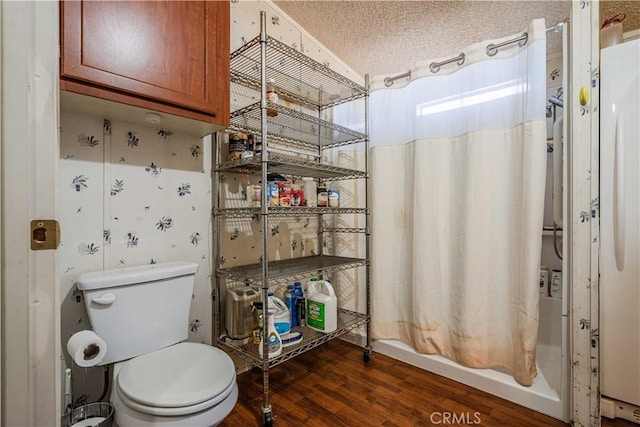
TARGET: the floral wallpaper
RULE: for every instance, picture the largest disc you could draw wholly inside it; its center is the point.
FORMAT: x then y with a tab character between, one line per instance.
240	239
288	237
132	195
585	216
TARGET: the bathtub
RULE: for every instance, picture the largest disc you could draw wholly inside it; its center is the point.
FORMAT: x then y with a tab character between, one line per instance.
549	393
545	395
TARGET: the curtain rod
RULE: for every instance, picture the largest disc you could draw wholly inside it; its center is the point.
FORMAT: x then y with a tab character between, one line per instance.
557	27
388	81
492	50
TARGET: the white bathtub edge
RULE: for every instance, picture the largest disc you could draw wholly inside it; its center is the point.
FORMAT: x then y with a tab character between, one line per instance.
539	397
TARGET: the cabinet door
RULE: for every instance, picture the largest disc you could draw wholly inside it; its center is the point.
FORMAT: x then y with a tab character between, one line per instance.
172	52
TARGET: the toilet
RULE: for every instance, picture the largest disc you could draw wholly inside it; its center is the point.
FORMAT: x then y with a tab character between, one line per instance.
142	314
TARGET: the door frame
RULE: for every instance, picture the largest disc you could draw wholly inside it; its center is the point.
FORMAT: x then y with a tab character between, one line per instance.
29	326
30	322
584	208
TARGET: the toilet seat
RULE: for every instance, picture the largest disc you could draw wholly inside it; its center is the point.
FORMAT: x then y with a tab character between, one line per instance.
181	379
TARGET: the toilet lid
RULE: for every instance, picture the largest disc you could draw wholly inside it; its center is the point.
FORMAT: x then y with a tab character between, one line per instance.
184	374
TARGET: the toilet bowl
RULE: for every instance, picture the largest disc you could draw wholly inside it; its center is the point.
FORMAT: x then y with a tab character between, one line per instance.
186	384
142	314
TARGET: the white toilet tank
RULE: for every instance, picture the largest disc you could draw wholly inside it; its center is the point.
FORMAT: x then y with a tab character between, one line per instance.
136	310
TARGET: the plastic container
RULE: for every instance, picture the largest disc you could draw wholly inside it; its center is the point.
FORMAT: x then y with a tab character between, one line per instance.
322	307
555	289
253	194
301	305
544	281
272	97
274	341
290	300
611	32
310	190
281	313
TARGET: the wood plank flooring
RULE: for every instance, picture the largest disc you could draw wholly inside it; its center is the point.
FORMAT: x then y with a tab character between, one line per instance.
331	386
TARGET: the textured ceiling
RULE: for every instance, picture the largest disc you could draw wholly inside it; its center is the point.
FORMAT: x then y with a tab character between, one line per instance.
630	8
386	37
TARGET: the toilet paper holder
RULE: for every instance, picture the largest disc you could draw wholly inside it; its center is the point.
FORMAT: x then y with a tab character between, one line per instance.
86	349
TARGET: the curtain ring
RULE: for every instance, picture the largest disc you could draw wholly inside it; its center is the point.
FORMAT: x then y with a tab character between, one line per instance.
388	82
435	66
524	40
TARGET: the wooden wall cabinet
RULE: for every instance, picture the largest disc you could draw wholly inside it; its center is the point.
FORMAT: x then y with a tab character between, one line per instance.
167	56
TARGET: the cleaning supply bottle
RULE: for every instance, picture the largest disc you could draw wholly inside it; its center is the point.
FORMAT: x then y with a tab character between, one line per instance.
301	305
282	316
290	301
274	341
312	282
322	307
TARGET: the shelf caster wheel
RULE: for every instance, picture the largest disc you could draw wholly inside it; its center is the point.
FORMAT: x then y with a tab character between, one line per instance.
267	419
366	356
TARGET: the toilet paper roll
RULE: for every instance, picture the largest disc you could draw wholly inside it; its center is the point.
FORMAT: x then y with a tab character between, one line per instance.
86	348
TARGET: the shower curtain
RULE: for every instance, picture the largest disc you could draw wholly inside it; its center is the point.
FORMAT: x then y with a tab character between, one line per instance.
458	166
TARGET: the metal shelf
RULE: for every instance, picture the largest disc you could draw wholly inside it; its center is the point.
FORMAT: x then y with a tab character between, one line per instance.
293	127
287	211
296	76
291	269
291	166
303	84
344	230
347	320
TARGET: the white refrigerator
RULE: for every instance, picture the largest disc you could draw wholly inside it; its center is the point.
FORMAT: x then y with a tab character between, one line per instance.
620	228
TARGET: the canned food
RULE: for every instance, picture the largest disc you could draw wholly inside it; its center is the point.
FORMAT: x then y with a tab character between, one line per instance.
237	145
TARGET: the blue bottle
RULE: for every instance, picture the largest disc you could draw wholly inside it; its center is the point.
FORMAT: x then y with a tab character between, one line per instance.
301	305
290	301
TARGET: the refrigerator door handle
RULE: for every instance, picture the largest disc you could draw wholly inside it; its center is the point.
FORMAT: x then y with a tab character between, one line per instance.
618	194
557	171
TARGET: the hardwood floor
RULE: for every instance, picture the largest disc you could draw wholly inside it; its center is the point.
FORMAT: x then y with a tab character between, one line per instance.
331	386
617	423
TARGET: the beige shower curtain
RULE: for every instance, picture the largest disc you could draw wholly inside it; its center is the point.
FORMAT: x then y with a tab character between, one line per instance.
458	166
